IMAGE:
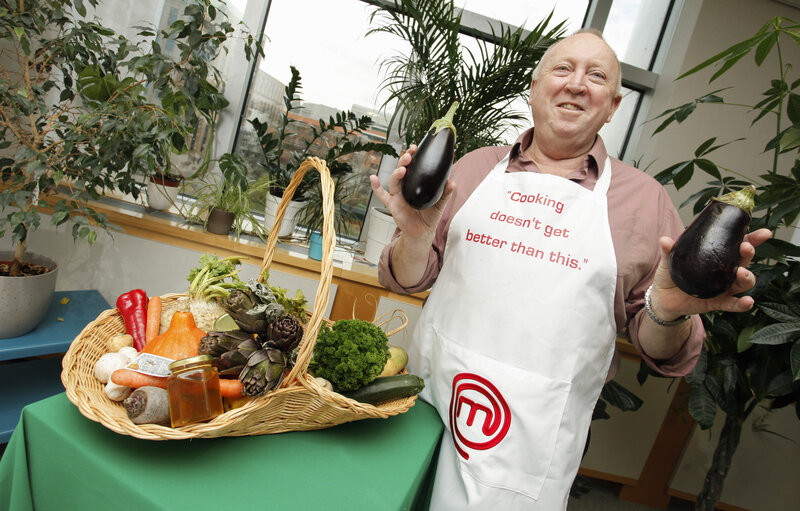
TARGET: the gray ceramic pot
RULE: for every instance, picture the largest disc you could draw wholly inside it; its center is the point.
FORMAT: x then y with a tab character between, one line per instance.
24	300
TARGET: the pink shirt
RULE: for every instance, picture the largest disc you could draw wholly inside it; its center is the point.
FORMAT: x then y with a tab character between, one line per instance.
639	211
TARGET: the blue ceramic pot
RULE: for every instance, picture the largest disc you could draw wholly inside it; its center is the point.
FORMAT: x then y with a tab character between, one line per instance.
315	247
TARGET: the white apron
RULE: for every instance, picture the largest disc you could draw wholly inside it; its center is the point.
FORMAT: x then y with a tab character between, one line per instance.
515	339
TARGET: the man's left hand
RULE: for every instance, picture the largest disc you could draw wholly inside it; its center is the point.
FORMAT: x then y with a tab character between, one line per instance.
669	302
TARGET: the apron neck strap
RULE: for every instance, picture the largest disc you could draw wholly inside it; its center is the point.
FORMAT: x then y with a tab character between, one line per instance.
604	180
601	187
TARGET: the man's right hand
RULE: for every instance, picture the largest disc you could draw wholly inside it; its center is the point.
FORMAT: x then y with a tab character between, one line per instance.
418	225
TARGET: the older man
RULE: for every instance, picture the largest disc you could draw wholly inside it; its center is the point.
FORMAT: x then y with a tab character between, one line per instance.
536	256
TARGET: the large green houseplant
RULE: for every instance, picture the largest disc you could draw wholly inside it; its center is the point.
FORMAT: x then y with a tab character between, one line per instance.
84	111
436	69
750	359
285	146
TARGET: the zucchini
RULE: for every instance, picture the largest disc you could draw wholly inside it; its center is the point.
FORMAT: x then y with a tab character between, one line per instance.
387	388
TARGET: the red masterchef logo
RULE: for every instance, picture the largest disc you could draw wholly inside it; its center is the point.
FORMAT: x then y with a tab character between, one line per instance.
476	398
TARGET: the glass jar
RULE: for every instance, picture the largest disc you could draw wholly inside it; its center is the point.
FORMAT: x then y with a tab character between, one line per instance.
193	390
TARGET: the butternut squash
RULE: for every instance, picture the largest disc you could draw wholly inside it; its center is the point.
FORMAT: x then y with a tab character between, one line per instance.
179	341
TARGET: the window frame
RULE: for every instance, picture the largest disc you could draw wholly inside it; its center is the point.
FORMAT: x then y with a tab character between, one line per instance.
475	25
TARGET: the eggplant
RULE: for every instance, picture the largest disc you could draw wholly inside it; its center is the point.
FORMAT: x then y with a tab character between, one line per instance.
430	166
705	257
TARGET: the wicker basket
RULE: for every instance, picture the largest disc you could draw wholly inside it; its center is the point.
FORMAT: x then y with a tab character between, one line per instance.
298	404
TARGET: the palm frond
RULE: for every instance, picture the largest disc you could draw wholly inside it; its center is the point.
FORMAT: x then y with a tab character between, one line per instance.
435	69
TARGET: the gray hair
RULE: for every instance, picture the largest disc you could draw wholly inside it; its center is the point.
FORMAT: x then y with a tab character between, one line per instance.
594	32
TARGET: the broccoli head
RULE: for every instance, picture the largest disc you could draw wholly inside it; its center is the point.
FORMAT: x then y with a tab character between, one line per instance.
350	354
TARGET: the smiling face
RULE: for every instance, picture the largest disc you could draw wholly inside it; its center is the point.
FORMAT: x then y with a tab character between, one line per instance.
574	94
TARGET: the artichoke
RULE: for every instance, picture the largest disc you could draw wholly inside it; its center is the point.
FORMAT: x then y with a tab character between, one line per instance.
274	310
261	291
230	350
284	333
216	343
263	371
247	310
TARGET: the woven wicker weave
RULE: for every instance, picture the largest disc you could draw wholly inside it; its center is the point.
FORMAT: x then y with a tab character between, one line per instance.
299	404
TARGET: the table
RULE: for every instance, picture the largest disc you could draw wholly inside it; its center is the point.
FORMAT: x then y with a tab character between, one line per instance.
59	460
28	379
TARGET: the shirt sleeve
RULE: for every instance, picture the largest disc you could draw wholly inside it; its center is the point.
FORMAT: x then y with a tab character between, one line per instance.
684	361
467	172
435	255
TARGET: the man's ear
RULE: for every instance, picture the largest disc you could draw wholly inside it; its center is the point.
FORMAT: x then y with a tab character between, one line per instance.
614	105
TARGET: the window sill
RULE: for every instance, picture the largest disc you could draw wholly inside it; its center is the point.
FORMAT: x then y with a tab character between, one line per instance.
358	291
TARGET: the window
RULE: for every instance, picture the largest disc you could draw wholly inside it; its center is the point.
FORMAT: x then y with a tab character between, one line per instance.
633	29
527	13
126	18
339	65
339	71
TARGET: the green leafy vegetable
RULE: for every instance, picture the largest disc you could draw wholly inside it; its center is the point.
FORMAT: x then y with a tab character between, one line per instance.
297	306
207	281
350	354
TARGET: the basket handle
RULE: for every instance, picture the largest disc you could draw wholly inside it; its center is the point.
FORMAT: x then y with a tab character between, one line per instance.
322	297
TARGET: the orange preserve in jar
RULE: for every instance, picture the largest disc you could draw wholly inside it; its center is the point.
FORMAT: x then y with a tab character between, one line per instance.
193	390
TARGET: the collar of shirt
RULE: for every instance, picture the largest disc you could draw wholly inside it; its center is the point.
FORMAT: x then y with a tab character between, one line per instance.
586	175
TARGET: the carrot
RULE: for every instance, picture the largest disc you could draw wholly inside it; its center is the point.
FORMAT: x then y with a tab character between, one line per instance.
153	318
135	379
230	388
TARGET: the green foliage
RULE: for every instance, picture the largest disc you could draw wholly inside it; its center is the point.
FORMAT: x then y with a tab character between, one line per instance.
122	107
350	354
437	70
213	278
752	357
343	129
230	191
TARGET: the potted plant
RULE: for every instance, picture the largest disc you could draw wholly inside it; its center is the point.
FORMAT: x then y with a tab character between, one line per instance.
424	82
311	216
285	146
225	201
162	190
750	359
86	111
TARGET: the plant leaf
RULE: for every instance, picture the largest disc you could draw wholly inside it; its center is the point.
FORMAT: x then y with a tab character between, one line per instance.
698	374
619	396
794	360
780	333
765	46
736	52
779	312
701	149
793	108
702	406
743	340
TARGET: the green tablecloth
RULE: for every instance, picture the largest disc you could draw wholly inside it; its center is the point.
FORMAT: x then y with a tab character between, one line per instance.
59	460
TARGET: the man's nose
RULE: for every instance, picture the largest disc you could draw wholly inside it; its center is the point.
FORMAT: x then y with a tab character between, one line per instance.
576	83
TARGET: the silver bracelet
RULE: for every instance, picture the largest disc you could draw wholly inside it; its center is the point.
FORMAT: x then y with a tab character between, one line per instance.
656	319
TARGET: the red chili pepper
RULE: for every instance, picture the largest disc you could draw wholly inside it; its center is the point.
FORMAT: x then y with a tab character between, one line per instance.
133	309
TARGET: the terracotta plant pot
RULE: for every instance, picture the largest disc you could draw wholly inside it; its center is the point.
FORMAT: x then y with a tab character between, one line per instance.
220	221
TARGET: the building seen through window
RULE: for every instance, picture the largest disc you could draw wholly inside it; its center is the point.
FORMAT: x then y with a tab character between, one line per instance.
340	69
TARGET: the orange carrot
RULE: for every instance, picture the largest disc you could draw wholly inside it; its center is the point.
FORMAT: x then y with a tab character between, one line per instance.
135	379
153	318
230	388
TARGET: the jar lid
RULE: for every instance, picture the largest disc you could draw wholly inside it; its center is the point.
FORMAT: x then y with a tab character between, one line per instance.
178	364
